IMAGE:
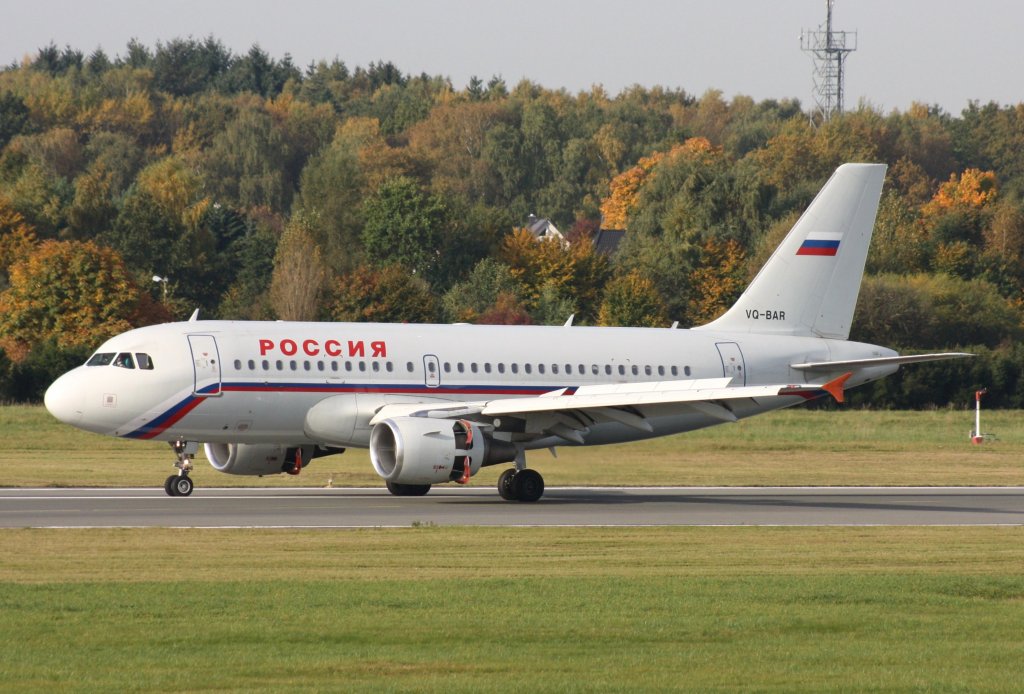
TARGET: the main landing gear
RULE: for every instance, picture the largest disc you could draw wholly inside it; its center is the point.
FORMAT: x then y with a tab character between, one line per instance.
520	485
181	484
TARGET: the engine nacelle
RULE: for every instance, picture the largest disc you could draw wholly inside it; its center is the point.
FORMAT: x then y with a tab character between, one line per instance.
422	450
255	459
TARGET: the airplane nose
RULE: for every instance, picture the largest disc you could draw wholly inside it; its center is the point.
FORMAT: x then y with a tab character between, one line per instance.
64	400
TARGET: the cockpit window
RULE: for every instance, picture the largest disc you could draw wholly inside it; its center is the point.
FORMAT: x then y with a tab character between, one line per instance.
144	361
124	360
100	359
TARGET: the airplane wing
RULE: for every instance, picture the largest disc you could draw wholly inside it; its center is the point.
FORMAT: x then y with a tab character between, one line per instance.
565	413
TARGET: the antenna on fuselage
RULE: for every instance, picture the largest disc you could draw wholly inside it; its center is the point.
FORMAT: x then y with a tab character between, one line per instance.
194	317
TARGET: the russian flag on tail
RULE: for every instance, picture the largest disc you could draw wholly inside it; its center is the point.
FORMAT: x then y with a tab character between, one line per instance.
821	243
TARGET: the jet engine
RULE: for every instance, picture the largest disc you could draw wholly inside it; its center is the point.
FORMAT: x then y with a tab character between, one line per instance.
257	459
422	450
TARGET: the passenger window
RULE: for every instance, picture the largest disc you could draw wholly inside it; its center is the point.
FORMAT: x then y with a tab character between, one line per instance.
266	365
647	370
348	366
280	365
608	369
540	368
661	370
334	366
636	370
238	364
124	360
582	371
144	362
595	369
686	370
100	359
390	367
293	364
306	365
472	367
408	366
362	366
554	368
252	365
376	366
487	367
501	367
568	369
319	366
515	368
447	367
675	371
527	368
622	369
460	367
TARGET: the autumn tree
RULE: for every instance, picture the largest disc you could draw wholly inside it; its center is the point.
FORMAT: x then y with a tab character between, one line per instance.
717	281
76	293
576	272
632	300
299	277
389	294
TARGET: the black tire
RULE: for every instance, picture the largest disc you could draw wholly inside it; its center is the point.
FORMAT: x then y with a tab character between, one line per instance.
182	485
506	485
528	485
398	489
169	485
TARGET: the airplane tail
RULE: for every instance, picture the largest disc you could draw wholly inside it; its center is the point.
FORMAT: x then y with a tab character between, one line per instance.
810	284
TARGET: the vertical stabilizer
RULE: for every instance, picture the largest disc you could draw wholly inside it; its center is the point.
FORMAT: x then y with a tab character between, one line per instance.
810	284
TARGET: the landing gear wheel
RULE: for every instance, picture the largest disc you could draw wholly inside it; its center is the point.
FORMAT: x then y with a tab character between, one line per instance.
169	485
506	487
182	485
528	485
398	489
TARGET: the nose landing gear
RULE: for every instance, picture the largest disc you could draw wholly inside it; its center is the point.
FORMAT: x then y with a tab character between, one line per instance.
181	484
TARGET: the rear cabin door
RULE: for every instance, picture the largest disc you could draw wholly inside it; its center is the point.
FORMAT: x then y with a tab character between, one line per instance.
205	364
732	363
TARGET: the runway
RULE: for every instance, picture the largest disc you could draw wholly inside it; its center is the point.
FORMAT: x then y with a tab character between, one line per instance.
481	506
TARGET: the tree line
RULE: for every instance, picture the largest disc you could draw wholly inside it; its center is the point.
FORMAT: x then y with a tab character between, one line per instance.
262	190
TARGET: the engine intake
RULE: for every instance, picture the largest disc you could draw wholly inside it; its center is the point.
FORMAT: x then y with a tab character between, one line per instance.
421	450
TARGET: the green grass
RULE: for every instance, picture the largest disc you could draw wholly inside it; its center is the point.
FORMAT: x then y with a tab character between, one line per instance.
530	610
792	447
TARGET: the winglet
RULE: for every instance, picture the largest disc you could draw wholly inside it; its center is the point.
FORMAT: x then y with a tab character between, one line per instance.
835	386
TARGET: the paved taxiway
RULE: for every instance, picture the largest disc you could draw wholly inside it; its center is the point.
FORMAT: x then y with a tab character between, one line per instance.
345	508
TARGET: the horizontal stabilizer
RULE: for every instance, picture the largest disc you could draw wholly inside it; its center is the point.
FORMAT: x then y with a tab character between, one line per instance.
878	361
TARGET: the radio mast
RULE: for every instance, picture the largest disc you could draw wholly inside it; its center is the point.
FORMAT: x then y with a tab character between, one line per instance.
828	49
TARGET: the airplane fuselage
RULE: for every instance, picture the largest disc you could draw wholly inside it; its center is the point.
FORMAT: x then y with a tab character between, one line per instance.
255	382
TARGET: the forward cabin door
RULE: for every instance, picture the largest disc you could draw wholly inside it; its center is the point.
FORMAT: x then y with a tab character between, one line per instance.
732	363
205	364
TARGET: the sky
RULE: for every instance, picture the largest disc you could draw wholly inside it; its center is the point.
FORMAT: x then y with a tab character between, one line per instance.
936	52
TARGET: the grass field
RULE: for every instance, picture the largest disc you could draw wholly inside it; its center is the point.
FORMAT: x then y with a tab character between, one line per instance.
521	610
530	609
791	447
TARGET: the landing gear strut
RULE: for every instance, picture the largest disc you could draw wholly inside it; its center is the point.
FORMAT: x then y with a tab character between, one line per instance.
521	485
181	484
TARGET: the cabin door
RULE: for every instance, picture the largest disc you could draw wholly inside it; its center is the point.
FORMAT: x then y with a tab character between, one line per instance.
205	364
732	363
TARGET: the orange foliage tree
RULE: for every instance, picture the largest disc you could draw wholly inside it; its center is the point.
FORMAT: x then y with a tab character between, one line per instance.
75	293
717	281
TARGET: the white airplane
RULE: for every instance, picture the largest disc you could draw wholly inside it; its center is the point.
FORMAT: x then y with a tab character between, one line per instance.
435	403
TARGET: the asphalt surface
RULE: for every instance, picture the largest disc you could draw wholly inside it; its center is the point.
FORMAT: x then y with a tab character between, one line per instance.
352	508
